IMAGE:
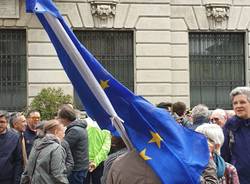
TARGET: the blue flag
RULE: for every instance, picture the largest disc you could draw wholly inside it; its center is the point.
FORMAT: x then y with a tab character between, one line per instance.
176	154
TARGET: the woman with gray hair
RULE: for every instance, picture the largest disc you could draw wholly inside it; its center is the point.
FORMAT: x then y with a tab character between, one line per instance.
200	115
236	149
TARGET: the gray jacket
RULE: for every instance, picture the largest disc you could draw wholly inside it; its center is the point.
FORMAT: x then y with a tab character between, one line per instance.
46	163
76	136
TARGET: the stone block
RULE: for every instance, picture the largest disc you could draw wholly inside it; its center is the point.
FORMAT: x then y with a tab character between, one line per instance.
38	35
180	76
47	76
34	89
9	22
244	18
201	15
137	10
41	49
179	50
180	89
187	13
153	76
85	13
180	63
153	50
146	1
217	1
44	63
121	15
154	89
185	2
179	37
153	63
24	17
178	24
153	36
1	22
70	9
234	15
153	23
33	22
157	99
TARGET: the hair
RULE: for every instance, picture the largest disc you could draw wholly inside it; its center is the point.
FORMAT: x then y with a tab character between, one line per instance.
165	105
212	131
67	112
200	111
13	118
240	91
50	126
220	112
4	114
31	112
179	108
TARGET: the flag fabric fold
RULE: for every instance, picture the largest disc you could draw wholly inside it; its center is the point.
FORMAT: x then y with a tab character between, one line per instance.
177	155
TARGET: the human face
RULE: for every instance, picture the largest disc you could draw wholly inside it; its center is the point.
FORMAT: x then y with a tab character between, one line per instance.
3	125
33	119
218	119
241	106
60	132
20	124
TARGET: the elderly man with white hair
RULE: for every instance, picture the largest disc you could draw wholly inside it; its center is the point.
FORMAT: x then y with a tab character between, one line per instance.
225	172
219	117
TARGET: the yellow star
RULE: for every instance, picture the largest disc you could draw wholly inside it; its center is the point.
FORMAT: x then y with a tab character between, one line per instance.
144	156
156	138
104	84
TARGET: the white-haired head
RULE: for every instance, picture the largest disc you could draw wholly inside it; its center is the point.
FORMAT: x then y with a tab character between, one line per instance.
219	117
213	132
244	90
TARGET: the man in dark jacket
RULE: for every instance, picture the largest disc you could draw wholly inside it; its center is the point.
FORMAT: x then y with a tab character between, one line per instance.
236	148
10	153
76	136
33	117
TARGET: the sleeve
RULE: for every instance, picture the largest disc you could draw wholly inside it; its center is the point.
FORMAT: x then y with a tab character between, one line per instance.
105	148
225	150
72	137
209	175
18	164
57	166
69	158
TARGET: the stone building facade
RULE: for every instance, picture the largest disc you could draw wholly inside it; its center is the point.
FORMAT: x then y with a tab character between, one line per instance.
161	39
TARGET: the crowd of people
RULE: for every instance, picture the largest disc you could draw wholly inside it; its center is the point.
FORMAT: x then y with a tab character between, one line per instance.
69	149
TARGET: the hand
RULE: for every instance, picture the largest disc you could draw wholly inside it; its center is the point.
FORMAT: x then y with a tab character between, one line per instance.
92	166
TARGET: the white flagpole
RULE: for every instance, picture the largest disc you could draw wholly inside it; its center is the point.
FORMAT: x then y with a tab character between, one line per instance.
87	75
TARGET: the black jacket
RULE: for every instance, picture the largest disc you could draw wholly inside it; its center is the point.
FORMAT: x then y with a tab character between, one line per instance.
76	136
10	158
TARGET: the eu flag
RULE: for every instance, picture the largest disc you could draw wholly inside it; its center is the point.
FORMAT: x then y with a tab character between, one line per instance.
176	154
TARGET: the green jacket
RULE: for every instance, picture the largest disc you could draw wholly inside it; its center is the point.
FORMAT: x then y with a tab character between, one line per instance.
99	144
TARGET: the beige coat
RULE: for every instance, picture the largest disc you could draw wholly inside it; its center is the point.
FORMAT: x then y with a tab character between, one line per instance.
131	169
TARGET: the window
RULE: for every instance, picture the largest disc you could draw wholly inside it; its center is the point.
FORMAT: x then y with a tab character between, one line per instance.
217	65
13	67
114	50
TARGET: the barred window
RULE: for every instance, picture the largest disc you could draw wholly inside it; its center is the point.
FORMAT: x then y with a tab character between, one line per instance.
217	65
13	70
114	50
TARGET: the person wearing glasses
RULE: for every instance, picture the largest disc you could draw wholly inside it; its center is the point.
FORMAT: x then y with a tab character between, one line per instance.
33	118
219	117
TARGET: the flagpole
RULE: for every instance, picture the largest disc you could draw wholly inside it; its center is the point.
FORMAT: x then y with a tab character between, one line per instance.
88	76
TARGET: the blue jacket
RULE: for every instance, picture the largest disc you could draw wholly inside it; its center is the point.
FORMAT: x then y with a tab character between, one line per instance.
238	152
29	137
10	158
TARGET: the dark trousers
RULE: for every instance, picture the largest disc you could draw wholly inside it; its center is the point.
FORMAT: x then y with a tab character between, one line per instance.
77	177
95	176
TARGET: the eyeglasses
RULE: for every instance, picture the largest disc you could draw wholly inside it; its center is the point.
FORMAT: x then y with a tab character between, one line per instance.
35	118
214	119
